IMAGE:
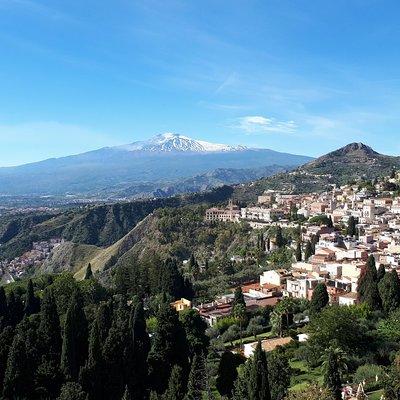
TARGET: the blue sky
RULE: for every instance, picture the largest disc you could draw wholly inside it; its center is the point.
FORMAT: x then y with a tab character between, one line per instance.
298	76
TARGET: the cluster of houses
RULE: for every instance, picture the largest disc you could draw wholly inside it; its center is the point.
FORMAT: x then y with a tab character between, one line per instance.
9	270
338	258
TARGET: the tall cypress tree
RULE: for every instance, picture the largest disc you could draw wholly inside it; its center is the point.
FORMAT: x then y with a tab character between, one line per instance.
381	272
196	383
169	348
227	372
176	385
32	303
319	298
48	375
91	375
389	290
6	340
298	252
4	320
308	252
89	272
138	371
258	384
74	346
368	285
351	226
104	320
15	309
279	373
279	239
17	376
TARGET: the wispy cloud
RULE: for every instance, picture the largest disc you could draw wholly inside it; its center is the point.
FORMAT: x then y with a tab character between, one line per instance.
254	124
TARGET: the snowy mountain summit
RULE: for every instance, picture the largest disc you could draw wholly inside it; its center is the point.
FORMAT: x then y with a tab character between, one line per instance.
172	142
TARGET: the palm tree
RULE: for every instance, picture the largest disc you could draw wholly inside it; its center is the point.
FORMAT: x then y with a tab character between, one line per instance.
334	367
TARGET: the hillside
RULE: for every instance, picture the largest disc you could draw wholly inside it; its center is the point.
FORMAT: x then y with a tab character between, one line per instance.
100	225
351	162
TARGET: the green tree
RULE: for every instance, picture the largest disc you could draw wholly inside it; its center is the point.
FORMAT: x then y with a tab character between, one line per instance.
381	272
32	304
4	317
137	376
196	385
17	376
91	374
89	272
195	329
48	375
389	290
334	366
176	385
227	372
258	385
319	298
298	251
279	239
169	348
15	308
279	373
72	391
238	298
351	226
308	252
74	345
368	285
6	340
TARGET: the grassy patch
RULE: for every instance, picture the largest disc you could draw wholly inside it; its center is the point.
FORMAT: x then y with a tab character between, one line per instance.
303	376
375	395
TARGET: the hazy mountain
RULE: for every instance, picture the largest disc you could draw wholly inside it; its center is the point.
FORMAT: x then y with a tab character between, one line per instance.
163	160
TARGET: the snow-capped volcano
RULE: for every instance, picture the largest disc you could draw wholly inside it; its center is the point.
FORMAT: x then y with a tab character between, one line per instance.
172	142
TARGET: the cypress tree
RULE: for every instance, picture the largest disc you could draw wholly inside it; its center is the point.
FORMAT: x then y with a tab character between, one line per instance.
3	308
32	304
227	372
330	222
169	348
48	375
74	345
176	385
238	298
351	226
104	320
319	298
389	290
88	272
279	240
381	272
18	374
127	394
308	251
196	379
15	309
298	252
279	372
258	384
72	391
368	286
137	375
6	340
90	375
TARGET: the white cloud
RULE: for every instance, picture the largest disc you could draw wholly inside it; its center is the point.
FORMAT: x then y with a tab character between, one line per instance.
259	124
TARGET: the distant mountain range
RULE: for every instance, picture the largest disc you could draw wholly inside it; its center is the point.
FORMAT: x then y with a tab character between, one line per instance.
351	162
162	166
